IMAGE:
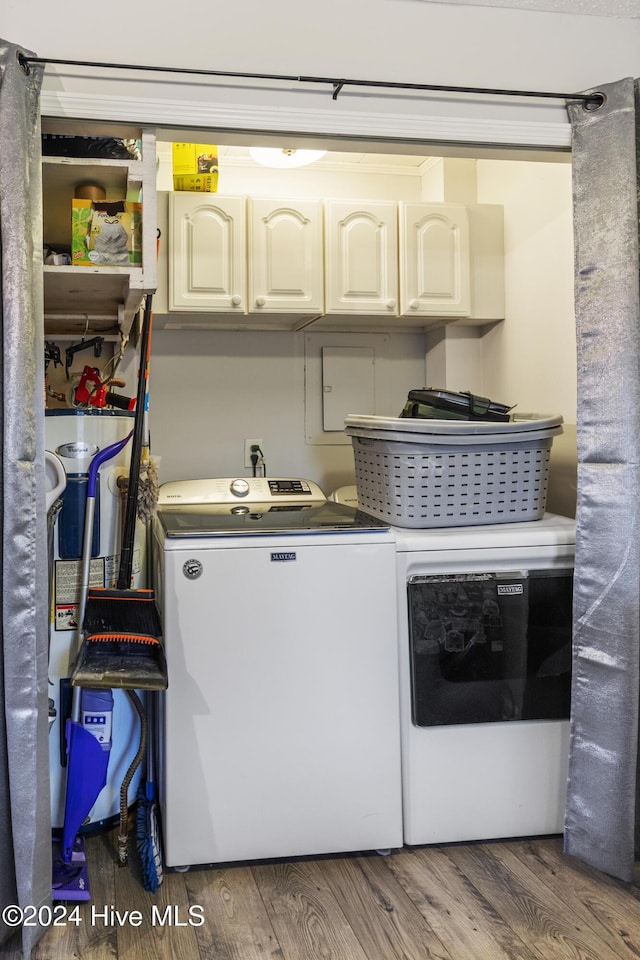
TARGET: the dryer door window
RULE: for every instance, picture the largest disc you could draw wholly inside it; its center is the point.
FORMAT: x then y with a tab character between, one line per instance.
490	647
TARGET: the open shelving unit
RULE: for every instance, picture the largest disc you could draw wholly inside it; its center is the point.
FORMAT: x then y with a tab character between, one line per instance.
97	299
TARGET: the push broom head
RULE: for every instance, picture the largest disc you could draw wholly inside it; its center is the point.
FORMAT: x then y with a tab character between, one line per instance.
123	642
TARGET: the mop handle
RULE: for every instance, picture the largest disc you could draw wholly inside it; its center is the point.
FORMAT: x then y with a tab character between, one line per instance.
92	483
107	453
131	506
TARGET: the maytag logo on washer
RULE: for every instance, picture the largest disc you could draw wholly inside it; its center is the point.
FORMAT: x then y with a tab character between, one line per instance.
281	556
192	569
510	589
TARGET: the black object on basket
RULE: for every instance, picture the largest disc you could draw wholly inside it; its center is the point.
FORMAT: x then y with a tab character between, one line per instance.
431	403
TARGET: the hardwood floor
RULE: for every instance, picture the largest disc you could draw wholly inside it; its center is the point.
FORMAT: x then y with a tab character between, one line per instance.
508	900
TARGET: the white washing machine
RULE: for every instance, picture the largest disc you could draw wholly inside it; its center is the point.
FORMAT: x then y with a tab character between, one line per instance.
484	627
279	731
74	436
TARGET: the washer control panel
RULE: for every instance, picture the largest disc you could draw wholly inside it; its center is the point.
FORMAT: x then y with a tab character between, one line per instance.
244	489
290	488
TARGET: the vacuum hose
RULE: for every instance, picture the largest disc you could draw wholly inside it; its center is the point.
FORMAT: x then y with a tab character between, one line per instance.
123	836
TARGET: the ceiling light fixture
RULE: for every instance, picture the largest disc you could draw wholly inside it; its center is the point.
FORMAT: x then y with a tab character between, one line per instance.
286	157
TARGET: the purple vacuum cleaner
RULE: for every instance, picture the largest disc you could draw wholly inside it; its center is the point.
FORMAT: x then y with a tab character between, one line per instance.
88	733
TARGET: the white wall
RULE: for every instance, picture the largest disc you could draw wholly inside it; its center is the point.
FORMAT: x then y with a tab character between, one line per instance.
531	359
210	390
392	40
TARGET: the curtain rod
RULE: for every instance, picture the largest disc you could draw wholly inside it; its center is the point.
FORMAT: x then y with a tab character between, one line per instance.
591	101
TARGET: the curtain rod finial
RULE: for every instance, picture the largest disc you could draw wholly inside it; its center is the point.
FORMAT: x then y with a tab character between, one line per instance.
594	101
23	63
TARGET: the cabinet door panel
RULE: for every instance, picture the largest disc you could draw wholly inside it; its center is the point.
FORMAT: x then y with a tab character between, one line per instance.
285	256
437	274
207	253
361	258
434	266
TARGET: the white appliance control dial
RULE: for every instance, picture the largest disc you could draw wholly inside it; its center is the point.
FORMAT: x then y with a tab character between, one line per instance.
239	488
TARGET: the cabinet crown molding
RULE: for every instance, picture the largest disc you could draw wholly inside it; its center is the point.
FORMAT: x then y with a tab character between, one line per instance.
498	136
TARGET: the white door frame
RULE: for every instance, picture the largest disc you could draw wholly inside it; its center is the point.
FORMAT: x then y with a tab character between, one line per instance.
492	137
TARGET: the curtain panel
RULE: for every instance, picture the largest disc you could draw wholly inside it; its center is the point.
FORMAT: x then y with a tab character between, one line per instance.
25	823
602	806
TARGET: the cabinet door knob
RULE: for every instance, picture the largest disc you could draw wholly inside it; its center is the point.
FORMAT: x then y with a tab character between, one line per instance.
414	304
236	300
260	301
391	303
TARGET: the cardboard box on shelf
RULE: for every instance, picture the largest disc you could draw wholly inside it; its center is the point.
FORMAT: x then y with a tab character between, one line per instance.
106	233
195	167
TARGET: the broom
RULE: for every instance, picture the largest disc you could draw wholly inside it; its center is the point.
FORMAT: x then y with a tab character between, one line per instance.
123	646
148	844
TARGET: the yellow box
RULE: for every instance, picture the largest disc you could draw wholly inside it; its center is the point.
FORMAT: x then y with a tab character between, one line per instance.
199	183
195	167
106	233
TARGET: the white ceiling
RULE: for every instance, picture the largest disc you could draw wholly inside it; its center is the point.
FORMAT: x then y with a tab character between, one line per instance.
334	158
595	8
238	156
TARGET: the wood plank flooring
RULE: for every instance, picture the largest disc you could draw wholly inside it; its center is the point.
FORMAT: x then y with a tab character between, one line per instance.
508	900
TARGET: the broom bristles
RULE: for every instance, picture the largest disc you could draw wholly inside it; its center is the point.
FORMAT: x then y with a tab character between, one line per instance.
121	611
122	646
148	489
148	840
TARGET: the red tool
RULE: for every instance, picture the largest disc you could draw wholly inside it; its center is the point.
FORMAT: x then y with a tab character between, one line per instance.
92	391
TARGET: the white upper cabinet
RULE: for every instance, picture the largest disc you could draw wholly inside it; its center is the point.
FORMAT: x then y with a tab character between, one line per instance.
263	263
285	257
434	262
207	253
361	258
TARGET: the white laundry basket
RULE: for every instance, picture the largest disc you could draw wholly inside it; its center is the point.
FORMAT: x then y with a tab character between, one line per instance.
440	473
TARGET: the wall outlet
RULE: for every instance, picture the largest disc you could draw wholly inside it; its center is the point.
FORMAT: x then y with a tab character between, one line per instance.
247	451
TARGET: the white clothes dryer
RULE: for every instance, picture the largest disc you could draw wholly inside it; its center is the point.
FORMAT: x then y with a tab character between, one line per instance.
484	629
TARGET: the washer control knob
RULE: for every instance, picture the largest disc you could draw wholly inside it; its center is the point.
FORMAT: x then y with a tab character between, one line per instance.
239	488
